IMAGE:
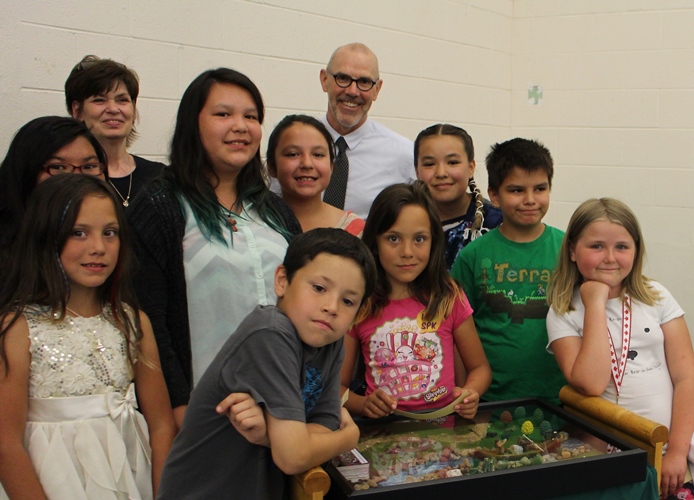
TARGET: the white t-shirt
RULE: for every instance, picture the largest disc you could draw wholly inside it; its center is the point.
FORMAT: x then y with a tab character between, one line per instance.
646	388
378	158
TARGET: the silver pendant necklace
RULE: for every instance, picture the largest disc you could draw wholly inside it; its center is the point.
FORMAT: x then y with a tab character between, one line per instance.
126	200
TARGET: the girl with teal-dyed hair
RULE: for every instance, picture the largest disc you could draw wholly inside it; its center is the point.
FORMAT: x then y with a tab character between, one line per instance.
210	233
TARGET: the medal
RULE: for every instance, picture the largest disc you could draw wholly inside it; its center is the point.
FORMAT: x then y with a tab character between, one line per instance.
619	364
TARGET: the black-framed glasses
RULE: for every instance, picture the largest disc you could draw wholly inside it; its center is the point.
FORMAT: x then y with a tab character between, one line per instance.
364	84
66	168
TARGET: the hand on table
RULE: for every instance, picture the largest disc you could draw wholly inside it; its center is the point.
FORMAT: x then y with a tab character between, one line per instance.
468	408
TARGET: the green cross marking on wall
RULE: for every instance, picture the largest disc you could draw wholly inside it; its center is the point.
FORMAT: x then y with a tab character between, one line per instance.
534	95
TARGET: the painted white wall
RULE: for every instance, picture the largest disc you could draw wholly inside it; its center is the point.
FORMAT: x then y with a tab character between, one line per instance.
617	79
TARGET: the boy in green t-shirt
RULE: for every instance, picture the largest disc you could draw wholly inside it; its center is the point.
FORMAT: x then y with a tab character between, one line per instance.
505	274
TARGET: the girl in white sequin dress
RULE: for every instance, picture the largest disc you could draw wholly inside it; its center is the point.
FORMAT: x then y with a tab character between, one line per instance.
72	352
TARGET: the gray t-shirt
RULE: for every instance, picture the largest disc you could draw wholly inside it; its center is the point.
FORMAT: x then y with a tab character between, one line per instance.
293	381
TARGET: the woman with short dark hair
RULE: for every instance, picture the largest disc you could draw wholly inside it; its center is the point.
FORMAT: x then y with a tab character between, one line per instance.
103	94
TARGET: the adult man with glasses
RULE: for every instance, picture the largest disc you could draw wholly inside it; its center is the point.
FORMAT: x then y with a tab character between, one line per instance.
370	156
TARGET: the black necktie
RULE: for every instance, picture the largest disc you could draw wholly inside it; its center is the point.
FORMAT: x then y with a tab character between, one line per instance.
337	188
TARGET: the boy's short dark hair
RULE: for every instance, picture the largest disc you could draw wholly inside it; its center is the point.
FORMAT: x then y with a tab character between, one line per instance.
526	154
306	246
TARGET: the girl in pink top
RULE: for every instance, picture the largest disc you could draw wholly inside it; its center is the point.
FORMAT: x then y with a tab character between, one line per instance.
300	155
417	317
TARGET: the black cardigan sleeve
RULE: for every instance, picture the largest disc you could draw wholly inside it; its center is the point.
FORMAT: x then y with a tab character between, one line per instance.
158	222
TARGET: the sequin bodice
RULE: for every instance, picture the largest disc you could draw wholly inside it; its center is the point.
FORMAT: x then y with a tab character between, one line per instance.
76	357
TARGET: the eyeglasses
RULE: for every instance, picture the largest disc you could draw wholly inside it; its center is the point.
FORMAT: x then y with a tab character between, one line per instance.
364	84
86	63
89	61
66	168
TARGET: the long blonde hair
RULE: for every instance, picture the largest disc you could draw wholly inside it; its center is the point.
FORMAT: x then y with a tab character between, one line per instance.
566	276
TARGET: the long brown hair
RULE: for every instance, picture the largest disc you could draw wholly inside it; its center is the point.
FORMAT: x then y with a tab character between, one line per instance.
36	276
434	288
190	172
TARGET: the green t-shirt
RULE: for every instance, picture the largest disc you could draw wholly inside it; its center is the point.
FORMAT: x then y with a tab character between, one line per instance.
506	284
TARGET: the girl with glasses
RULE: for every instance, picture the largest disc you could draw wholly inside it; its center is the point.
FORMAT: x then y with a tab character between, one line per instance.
43	147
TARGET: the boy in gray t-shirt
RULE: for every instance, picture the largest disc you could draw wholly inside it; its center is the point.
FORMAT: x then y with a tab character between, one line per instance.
288	359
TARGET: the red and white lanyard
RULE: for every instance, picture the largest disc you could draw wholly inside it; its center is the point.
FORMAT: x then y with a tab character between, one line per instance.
619	365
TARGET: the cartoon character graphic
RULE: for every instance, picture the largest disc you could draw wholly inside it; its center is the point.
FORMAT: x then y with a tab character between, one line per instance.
404	353
405	363
383	357
425	351
684	494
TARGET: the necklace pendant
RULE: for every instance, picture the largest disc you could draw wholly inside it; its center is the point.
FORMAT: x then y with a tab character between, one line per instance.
126	198
232	224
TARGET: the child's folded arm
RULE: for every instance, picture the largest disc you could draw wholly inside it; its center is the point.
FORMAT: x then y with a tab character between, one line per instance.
297	446
584	359
246	416
580	371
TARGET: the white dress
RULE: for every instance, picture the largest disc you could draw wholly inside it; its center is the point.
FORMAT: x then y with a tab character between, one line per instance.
83	433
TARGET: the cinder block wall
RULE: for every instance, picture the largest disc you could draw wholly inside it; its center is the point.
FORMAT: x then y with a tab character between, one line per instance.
617	114
440	61
617	80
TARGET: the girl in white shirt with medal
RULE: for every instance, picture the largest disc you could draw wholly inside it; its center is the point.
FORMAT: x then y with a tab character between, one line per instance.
619	335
